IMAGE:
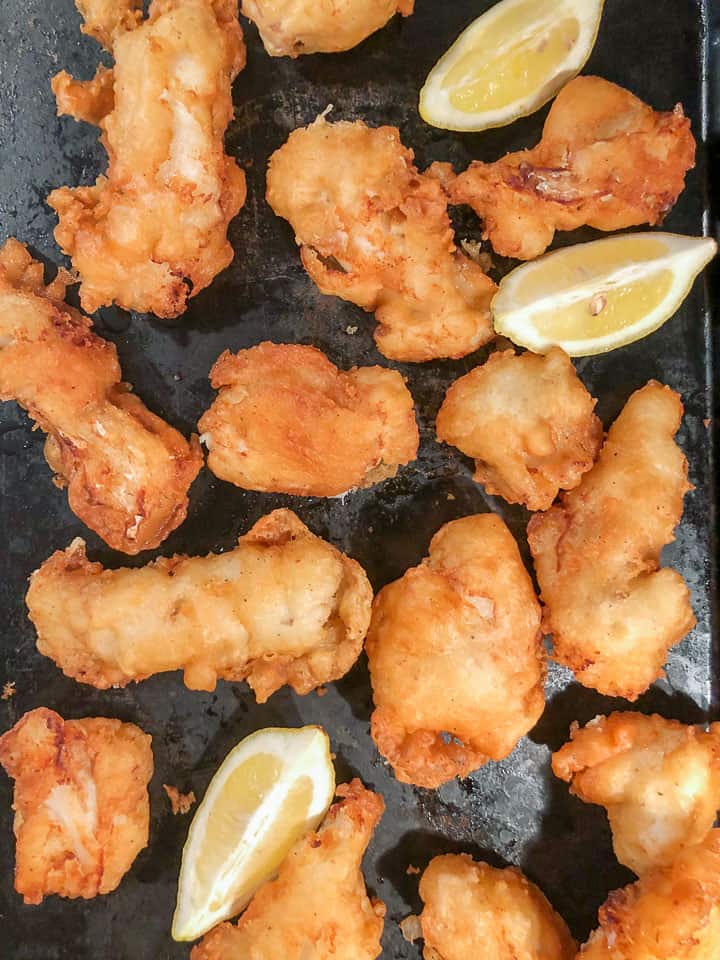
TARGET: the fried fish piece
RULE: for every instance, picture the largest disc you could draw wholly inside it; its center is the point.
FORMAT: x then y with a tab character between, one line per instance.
671	913
152	232
317	907
376	232
606	159
658	779
127	471
107	19
81	804
282	607
612	612
475	910
528	422
456	656
288	421
289	28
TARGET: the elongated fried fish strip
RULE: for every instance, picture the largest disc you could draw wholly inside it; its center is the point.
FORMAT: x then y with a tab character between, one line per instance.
376	232
612	612
658	779
153	231
286	420
606	159
317	907
289	28
456	656
81	803
671	913
127	471
528	421
282	607
475	910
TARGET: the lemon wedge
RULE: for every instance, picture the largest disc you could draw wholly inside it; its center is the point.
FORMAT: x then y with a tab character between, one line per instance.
509	62
274	787
598	296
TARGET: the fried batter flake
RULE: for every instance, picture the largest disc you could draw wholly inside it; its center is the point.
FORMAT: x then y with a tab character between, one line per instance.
81	803
152	231
376	232
606	159
456	656
527	421
287	421
612	611
127	472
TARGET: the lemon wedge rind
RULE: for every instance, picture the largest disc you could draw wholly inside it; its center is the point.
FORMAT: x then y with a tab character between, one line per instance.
520	319
262	842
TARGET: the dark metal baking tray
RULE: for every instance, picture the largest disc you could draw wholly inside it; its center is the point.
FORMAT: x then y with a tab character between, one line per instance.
510	812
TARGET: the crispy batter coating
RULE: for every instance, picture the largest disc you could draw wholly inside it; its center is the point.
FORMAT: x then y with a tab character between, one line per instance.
105	20
81	803
288	421
456	656
282	607
612	612
671	913
658	779
289	28
127	471
475	910
605	159
317	907
153	231
528	422
375	231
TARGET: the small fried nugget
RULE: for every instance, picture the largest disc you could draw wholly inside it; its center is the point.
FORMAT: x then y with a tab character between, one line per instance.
606	159
152	232
127	471
317	908
289	28
282	607
473	910
658	779
671	913
81	803
376	232
527	421
456	656
612	612
288	421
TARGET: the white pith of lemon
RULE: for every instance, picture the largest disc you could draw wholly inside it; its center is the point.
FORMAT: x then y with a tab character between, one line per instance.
509	62
274	787
595	297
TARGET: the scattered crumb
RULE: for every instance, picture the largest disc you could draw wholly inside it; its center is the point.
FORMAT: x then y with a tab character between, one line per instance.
180	802
333	757
706	422
321	691
472	248
412	871
451	496
177	377
410	928
8	690
351	331
370	530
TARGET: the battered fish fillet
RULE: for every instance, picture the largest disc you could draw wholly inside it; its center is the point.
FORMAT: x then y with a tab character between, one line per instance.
605	159
528	421
81	803
474	910
376	232
289	28
152	232
317	908
671	913
612	612
658	779
282	607
288	421
127	471
456	656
